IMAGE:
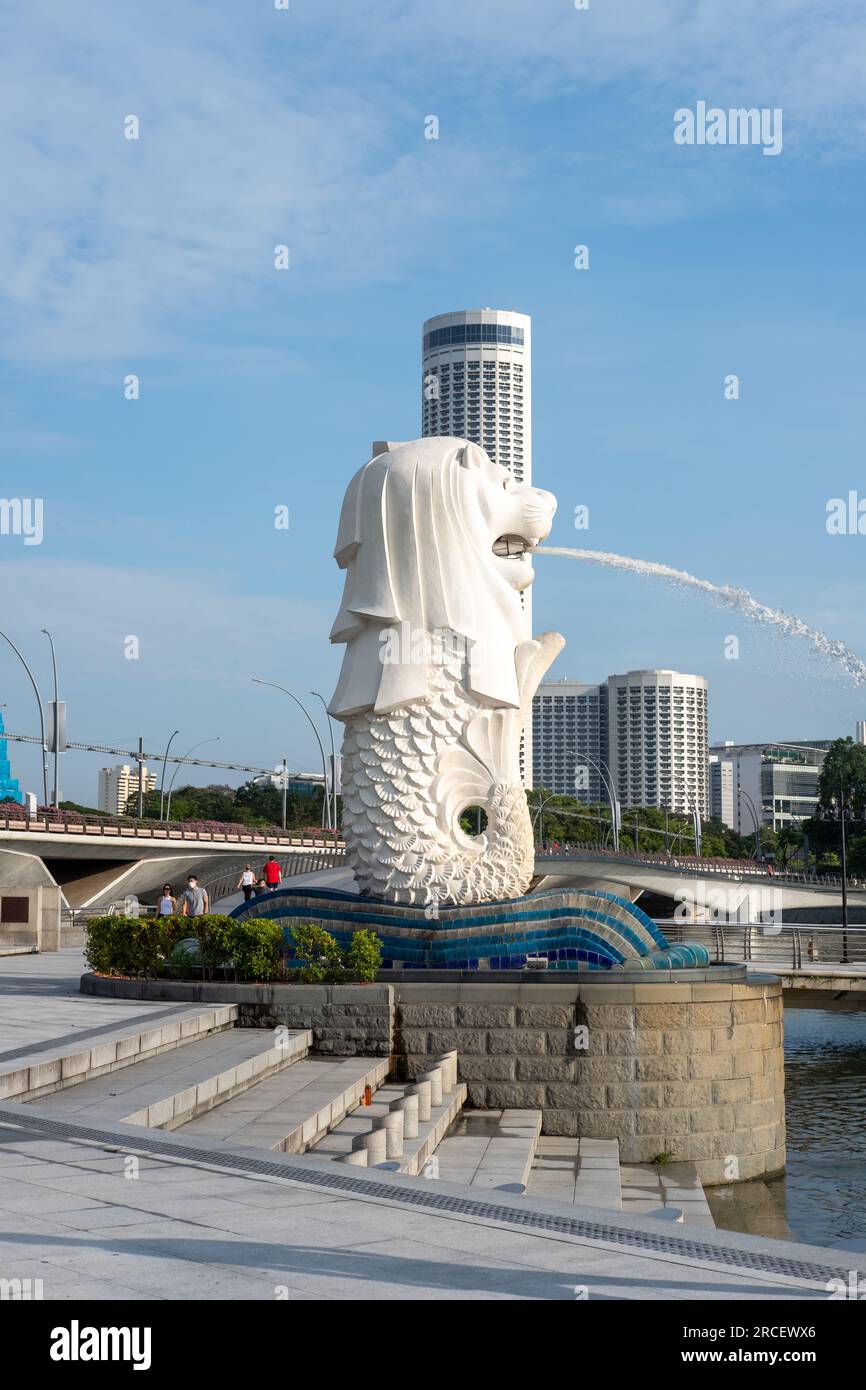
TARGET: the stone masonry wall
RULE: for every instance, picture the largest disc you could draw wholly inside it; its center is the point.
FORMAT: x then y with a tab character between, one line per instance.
346	1020
692	1069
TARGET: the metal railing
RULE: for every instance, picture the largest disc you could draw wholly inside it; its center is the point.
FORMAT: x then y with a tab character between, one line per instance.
225	883
72	823
795	945
728	868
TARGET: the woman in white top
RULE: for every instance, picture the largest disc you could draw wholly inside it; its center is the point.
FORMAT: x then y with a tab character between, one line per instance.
247	882
167	902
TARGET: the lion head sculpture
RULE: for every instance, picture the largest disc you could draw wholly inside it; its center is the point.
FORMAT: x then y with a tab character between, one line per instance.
435	537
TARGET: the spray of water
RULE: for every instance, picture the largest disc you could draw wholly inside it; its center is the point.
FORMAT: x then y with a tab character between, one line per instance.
781	623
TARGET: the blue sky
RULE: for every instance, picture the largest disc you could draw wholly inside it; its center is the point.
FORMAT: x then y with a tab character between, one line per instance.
261	388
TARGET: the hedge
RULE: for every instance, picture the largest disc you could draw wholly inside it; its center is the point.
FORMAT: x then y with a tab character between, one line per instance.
144	947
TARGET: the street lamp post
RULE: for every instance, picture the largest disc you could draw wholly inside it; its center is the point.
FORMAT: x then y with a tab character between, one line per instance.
753	810
607	782
540	812
333	759
56	732
177	770
41	717
162	780
844	873
326	808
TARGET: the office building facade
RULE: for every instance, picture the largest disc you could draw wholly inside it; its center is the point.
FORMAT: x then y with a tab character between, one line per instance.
569	739
720	789
118	784
773	784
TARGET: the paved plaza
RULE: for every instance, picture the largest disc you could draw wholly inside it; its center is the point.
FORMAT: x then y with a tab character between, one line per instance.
111	1215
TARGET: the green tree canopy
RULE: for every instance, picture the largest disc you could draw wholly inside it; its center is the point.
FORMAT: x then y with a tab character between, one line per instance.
843	774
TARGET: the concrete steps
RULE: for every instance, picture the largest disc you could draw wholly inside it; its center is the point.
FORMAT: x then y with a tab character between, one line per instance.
490	1149
577	1170
404	1124
293	1110
55	1068
654	1189
166	1090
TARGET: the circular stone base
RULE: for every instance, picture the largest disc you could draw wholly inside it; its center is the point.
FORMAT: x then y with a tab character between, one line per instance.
689	1065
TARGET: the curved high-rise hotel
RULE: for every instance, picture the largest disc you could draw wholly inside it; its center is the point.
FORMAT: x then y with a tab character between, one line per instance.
476	384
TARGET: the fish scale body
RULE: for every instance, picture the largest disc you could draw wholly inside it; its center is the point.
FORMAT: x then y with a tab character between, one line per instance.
392	777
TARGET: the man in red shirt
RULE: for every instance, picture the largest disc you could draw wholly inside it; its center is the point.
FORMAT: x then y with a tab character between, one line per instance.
273	874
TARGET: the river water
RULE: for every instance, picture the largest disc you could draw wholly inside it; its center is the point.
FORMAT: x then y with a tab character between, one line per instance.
822	1197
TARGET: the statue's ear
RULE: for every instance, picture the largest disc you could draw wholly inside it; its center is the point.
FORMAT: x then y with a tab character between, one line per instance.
470	456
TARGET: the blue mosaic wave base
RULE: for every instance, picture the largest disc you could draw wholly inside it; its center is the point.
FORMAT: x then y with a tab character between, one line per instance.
574	929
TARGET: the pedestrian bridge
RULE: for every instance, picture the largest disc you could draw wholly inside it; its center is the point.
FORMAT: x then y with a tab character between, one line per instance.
102	860
99	860
703	882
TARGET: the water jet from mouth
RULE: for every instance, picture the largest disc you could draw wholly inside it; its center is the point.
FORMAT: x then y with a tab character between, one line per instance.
782	624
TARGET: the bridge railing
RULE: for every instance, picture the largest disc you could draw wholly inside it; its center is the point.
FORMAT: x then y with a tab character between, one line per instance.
795	945
70	822
726	868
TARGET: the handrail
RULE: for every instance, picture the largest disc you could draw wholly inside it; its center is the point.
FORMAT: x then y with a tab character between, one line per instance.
795	945
708	865
71	823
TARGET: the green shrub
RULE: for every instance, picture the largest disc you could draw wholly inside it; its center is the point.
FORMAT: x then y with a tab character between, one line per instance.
216	939
248	950
364	956
321	956
256	948
185	958
124	945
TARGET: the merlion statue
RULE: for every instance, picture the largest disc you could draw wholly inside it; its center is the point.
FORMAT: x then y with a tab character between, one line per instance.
439	671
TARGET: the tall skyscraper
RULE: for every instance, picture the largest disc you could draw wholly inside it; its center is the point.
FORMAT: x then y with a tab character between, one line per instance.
9	788
477	385
658	739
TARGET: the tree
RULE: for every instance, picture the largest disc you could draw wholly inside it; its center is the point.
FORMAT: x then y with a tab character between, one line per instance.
843	774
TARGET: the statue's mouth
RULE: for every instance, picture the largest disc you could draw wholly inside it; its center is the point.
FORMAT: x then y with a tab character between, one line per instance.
512	547
514	560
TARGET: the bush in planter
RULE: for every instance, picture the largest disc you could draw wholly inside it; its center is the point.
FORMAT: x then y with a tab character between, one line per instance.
256	948
214	933
364	956
185	958
117	945
321	956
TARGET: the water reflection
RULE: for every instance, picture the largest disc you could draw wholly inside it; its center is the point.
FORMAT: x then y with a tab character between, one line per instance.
822	1197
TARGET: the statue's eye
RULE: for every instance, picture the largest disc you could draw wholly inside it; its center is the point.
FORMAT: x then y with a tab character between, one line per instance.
505	482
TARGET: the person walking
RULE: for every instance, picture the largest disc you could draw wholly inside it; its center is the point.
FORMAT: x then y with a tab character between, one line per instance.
195	899
166	905
247	882
273	874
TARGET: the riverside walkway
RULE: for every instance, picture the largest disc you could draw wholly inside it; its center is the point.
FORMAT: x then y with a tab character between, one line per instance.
107	1214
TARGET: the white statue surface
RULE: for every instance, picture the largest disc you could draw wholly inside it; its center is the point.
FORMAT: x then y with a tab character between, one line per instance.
439	671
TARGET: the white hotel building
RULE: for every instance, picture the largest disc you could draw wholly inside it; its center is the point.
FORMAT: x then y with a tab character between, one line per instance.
658	739
476	384
649	728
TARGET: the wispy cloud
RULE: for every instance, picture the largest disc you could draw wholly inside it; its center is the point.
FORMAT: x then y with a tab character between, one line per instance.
304	127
